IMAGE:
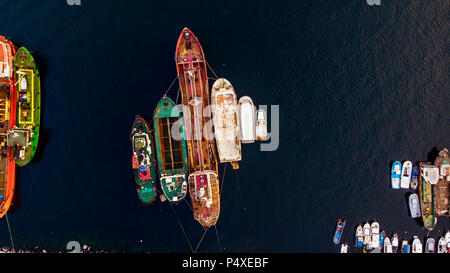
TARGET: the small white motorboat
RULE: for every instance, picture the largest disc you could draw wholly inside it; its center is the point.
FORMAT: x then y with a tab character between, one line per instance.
247	119
387	245
429	245
406	175
344	248
417	245
442	248
261	125
367	234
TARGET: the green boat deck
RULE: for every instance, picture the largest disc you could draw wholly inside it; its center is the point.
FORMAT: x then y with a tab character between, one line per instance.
171	150
24	137
143	161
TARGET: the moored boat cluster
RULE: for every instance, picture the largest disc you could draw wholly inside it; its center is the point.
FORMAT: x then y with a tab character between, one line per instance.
431	181
181	148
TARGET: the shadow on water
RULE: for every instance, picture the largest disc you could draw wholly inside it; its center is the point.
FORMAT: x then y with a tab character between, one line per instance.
15	203
432	155
44	134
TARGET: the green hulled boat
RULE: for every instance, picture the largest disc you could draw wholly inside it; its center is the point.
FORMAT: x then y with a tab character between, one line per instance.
25	135
143	160
171	150
426	197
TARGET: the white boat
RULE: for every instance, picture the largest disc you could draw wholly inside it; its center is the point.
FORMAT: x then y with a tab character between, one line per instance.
367	233
375	230
429	245
387	245
261	125
395	243
344	248
417	245
359	236
430	174
406	175
447	241
226	122
414	205
247	119
442	248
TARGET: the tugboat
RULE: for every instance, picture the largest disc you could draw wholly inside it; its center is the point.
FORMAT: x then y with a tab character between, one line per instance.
203	180
396	172
395	243
426	200
406	175
416	245
143	160
171	150
415	177
339	229
441	192
226	122
7	122
359	236
24	136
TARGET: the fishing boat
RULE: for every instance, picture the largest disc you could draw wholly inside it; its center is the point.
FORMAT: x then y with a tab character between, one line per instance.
359	236
171	150
7	122
387	245
375	230
441	191
143	160
261	125
414	206
367	234
23	138
339	230
426	200
396	172
406	248
429	245
344	248
447	241
442	247
203	180
414	177
395	243
247	119
406	175
417	245
226	122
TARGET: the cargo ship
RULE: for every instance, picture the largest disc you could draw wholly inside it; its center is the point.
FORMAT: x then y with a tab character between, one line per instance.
171	150
203	166
7	122
441	192
24	136
143	160
426	199
226	122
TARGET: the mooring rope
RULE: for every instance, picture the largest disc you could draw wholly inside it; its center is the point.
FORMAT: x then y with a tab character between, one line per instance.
188	205
215	75
182	228
218	239
168	89
178	94
201	239
223	179
10	233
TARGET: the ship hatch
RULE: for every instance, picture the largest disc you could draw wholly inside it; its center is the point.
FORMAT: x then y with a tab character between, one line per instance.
171	149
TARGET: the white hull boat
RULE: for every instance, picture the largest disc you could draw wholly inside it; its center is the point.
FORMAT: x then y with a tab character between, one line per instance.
406	175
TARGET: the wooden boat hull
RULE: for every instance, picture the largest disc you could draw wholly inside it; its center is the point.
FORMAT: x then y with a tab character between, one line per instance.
171	150
226	121
193	81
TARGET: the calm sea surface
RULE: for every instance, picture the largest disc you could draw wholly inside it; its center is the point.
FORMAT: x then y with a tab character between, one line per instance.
358	87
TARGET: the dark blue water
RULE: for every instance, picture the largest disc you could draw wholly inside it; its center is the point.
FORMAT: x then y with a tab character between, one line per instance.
358	87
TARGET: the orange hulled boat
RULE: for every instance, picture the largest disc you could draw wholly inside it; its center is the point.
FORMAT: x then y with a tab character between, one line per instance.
7	122
203	165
